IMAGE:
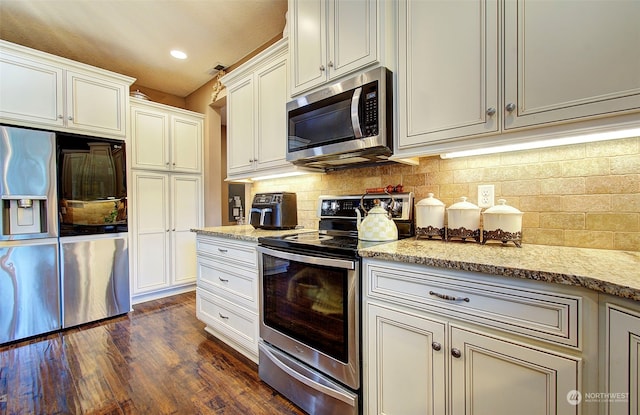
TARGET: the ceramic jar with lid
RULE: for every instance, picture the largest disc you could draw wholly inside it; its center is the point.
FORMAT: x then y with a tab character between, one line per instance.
502	223
430	218
463	221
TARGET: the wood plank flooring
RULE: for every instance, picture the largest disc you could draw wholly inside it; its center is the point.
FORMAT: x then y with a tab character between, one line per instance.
155	360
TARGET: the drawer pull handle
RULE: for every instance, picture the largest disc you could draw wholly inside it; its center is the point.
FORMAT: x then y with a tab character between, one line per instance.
223	317
223	280
456	353
222	250
449	297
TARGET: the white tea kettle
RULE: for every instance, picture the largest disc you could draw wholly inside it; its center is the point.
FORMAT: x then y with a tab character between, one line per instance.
377	224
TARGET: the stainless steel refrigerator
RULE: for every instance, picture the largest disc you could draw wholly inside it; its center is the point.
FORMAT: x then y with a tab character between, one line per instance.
29	279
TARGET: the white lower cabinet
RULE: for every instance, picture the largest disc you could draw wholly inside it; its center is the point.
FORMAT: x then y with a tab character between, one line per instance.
227	292
423	356
165	208
622	359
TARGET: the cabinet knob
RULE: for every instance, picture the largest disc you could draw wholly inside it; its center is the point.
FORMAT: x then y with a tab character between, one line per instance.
456	353
330	64
436	346
60	116
70	118
510	107
250	160
491	112
321	68
167	163
167	230
173	230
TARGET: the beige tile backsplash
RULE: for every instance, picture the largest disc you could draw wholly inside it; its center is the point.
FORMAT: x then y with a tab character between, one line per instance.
584	195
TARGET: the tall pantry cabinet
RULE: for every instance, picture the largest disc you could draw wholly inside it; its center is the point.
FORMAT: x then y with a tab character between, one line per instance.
167	198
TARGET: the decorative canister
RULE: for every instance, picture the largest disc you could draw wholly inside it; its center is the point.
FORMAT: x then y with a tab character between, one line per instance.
430	218
502	223
463	221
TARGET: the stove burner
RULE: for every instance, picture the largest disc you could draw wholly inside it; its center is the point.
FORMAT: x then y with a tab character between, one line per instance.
308	237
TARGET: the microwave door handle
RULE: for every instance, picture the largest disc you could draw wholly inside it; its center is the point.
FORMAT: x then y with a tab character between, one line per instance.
355	119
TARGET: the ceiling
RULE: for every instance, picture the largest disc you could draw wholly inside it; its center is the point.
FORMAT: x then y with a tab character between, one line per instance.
134	37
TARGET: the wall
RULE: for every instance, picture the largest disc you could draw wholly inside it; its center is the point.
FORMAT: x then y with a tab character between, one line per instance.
585	195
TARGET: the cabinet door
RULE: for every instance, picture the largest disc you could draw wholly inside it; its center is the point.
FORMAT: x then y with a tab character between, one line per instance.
623	361
186	144
404	363
186	214
353	34
498	377
271	111
96	105
240	127
150	139
151	254
308	43
447	70
566	60
31	91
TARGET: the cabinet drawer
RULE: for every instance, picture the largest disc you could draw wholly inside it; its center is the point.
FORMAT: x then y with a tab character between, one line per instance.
241	253
549	316
232	322
237	284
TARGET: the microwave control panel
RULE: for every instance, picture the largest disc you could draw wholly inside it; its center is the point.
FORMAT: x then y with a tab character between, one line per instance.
370	110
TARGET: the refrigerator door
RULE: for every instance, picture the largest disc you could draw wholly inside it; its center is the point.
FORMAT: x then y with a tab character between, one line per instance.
29	294
95	277
27	184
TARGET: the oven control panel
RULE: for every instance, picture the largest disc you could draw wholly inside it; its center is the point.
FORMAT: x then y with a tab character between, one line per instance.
400	205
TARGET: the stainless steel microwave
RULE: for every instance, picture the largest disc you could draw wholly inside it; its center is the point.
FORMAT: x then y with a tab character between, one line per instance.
347	123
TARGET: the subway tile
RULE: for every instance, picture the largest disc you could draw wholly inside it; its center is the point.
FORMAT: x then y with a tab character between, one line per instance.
455	191
414	179
562	220
629	183
546	203
585	167
625	203
586	203
589	239
442	177
625	164
519	158
563	186
613	221
572	152
521	188
541	236
468	175
626	241
619	147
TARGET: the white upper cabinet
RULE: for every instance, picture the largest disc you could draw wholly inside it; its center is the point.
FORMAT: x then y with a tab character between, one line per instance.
447	70
257	96
44	91
478	73
566	60
165	138
331	38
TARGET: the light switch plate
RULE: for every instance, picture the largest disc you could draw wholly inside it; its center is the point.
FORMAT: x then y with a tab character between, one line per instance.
486	195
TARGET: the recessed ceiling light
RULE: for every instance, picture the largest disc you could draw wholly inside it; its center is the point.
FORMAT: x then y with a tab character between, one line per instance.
178	54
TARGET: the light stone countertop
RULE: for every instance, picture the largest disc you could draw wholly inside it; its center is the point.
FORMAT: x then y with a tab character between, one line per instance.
606	271
245	232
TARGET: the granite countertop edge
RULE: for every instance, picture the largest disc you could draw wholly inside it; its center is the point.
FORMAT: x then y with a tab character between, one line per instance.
605	271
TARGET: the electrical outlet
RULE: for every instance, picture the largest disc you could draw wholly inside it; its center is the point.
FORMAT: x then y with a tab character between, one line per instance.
486	195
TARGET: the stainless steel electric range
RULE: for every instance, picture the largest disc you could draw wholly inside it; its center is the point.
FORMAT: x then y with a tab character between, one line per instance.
310	305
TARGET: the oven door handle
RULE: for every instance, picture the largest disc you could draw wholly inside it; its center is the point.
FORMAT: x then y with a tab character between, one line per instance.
309	382
316	260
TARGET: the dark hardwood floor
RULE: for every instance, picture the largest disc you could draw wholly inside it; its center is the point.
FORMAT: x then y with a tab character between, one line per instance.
155	360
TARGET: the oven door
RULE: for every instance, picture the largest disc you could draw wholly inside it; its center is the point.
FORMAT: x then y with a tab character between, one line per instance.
309	309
